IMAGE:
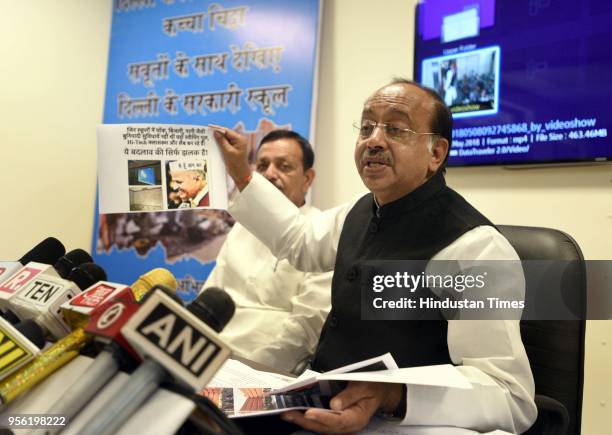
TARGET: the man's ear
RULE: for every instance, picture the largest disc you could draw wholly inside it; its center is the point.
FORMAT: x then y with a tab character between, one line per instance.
439	150
309	174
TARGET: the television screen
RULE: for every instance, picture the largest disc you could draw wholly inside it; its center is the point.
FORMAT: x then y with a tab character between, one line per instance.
527	81
146	175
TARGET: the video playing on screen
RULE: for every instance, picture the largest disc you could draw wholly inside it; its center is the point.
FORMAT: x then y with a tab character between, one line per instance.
468	82
526	81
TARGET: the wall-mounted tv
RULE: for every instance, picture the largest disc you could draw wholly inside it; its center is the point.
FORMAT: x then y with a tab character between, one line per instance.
528	81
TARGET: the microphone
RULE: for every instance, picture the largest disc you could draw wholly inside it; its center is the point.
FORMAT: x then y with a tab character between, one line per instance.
47	251
105	327
174	342
41	299
21	278
214	307
31	270
86	274
78	310
19	344
68	347
72	259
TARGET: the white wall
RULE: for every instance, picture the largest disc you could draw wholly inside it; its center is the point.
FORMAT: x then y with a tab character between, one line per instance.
53	70
365	44
52	78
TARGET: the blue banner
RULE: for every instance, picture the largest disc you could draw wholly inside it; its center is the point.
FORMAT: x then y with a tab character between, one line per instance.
248	65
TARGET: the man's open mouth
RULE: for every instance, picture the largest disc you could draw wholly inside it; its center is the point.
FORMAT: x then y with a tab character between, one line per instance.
375	163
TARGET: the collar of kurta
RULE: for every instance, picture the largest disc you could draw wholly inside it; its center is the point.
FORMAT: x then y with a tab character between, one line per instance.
412	200
195	202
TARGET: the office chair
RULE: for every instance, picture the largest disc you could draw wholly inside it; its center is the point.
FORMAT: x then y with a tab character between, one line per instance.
555	347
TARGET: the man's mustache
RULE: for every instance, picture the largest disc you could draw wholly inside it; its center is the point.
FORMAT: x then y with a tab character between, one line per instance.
378	154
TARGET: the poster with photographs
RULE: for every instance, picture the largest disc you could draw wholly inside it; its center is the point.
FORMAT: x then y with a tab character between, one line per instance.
246	65
188	173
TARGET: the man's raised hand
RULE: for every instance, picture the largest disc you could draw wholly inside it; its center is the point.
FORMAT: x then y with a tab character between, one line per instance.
235	150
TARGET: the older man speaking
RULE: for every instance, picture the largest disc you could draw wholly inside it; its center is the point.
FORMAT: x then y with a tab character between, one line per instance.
403	139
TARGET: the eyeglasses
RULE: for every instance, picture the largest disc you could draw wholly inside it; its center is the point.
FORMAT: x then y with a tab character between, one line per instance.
392	132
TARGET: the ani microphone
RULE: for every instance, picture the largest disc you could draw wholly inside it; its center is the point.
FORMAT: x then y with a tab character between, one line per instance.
175	343
105	326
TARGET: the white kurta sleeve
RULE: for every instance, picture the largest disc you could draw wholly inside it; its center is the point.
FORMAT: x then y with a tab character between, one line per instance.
489	353
309	243
216	276
300	331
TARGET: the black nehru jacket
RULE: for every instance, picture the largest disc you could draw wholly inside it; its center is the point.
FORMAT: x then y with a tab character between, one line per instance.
414	227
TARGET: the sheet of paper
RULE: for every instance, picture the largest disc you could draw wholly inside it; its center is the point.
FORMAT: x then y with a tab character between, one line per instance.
241	391
307	374
382	362
444	375
159	167
237	374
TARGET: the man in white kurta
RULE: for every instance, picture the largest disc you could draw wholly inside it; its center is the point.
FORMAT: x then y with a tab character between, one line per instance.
279	310
402	146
